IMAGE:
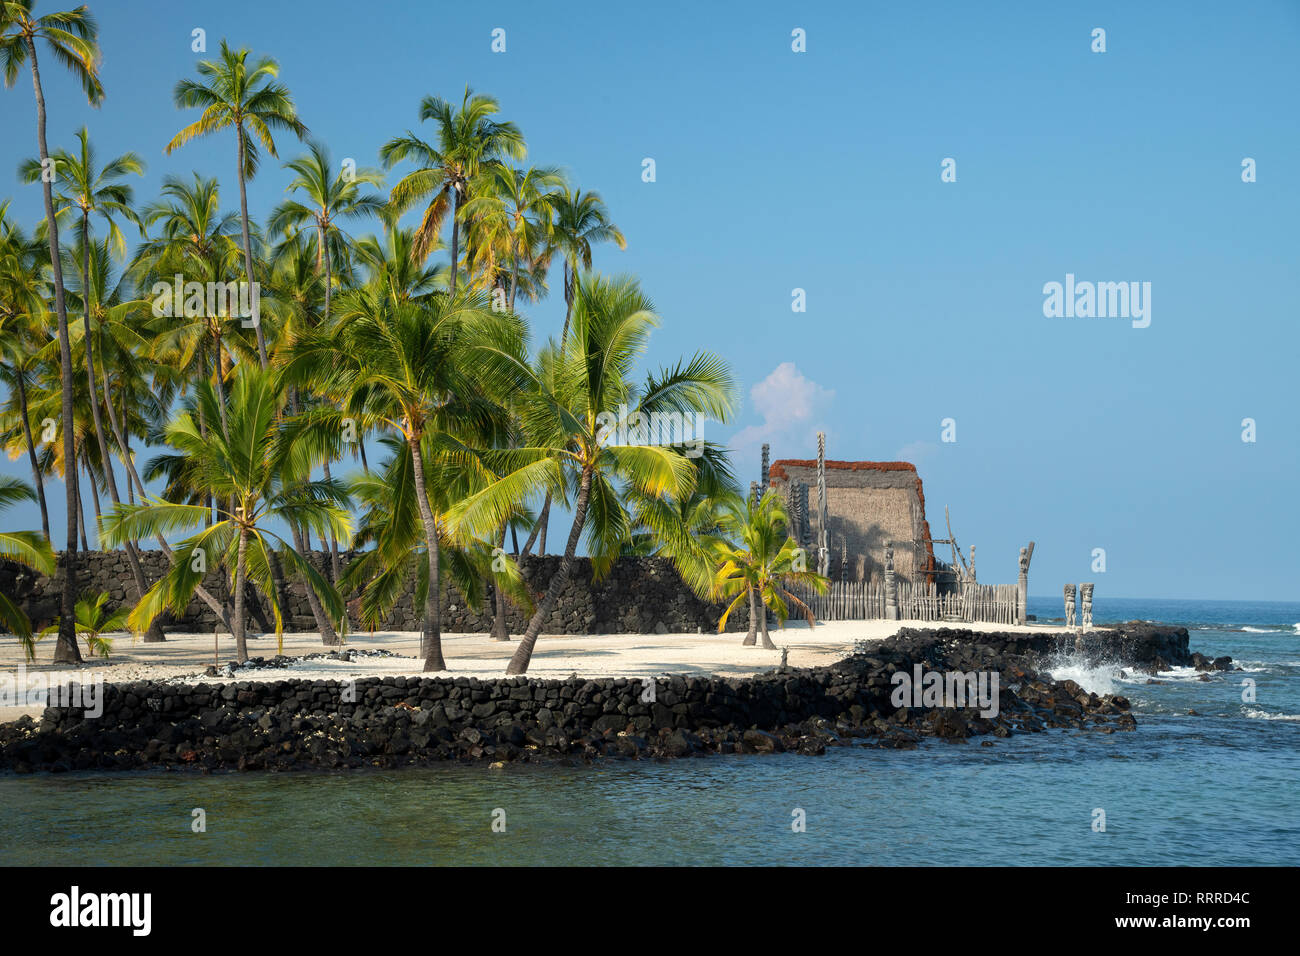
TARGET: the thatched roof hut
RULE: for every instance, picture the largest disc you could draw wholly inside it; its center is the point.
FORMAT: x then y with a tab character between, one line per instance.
869	505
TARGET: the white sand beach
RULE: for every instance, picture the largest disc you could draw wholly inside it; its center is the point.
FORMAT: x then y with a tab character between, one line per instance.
186	656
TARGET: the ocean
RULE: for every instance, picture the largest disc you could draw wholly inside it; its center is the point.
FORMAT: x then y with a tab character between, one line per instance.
1208	778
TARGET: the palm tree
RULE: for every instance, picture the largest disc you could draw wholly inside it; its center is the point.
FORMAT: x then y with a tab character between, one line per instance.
331	197
27	548
511	209
468	142
422	369
196	241
395	271
253	469
87	191
230	94
71	38
581	219
758	561
93	622
565	416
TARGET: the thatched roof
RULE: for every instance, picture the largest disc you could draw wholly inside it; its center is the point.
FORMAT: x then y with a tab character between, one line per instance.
870	504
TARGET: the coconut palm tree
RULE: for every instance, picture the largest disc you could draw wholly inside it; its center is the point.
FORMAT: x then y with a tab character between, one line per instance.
196	241
71	38
331	196
758	562
27	548
395	271
86	192
511	209
566	417
580	220
254	103
424	370
469	141
93	622
254	476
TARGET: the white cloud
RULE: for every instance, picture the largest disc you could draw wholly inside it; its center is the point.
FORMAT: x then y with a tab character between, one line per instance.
790	404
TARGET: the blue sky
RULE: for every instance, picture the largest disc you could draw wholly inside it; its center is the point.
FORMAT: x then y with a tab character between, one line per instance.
821	170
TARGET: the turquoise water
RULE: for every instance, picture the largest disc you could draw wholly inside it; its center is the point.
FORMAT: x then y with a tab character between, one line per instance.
1221	787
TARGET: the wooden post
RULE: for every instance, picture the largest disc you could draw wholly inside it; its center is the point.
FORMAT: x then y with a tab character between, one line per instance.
891	586
1022	586
805	526
823	545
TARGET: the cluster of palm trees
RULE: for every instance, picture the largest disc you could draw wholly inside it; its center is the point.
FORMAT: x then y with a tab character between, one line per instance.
352	339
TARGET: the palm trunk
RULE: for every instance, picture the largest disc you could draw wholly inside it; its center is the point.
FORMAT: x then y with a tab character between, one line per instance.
302	544
248	248
155	633
94	501
500	630
455	238
219	383
524	653
329	279
431	642
65	650
753	619
241	636
336	568
539	527
81	509
109	479
569	278
31	453
545	522
126	445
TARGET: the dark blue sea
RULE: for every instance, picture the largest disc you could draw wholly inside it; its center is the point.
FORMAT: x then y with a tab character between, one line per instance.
1208	778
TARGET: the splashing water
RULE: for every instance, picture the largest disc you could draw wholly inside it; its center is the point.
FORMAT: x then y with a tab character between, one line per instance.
1096	677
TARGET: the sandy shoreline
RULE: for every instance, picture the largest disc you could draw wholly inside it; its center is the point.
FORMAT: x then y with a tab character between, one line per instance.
475	655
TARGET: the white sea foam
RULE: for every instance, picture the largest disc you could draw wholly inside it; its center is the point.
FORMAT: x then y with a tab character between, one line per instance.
1097	678
1181	673
1265	715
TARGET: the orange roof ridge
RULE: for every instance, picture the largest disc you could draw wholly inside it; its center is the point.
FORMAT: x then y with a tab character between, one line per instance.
777	471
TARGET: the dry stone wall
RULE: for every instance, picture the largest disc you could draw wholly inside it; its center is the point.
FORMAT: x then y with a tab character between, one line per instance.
639	596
